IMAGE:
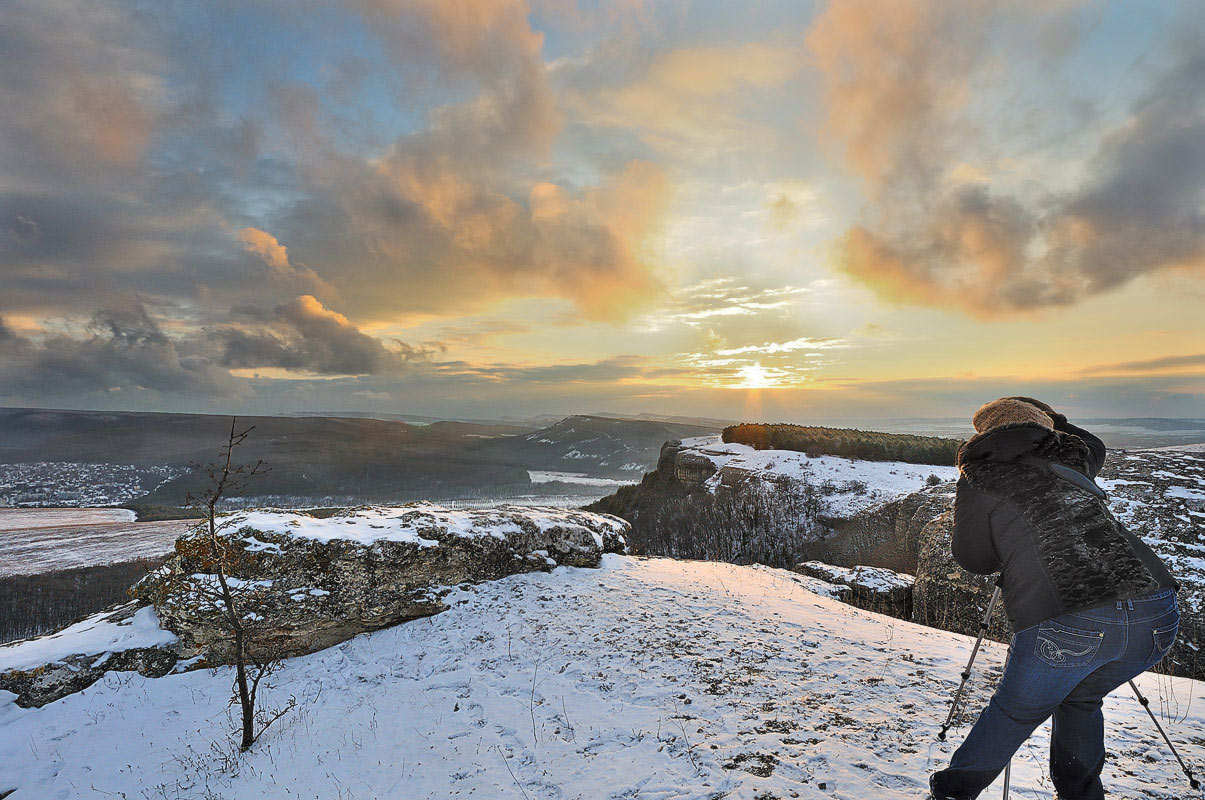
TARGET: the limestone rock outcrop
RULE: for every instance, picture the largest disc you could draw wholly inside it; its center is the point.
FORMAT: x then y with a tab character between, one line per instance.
303	583
872	588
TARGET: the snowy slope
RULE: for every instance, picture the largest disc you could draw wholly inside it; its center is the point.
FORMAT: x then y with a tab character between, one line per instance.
647	678
848	485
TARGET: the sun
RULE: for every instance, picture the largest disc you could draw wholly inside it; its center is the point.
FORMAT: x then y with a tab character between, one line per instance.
754	376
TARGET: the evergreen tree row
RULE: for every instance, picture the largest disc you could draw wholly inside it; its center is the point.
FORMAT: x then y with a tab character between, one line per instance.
847	442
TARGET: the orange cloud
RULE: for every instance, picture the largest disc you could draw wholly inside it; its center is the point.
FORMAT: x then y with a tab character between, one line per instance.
693	97
587	246
276	256
264	245
898	81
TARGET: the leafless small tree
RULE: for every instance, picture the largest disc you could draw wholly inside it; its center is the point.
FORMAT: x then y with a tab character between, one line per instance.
237	600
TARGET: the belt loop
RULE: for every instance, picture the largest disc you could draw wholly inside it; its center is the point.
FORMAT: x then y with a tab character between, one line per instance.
1131	604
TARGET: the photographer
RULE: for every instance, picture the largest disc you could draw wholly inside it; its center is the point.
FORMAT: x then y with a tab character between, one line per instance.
1090	603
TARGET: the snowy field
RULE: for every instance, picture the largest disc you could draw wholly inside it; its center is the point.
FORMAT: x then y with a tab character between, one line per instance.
547	476
23	519
647	678
854	484
39	540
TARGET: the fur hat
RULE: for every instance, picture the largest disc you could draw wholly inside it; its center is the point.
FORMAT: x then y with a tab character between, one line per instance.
1009	411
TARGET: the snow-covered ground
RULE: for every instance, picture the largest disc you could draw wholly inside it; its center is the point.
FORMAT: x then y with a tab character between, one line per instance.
23	519
646	678
95	635
847	485
547	476
79	538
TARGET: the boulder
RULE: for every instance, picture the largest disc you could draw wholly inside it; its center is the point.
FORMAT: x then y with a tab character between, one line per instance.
684	464
945	595
872	588
301	583
1160	496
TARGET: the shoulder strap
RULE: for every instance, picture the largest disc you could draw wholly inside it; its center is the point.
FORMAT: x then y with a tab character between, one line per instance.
1072	476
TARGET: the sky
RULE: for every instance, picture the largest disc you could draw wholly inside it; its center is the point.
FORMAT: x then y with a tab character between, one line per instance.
768	211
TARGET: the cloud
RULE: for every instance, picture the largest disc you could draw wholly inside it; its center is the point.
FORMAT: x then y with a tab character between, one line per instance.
264	245
613	369
78	99
699	101
276	257
303	335
1163	364
899	83
123	350
724	297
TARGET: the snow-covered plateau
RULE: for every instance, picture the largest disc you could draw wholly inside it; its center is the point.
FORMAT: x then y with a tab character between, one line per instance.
644	678
847	485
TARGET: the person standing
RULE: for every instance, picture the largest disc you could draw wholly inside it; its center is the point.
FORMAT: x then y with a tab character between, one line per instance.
1091	604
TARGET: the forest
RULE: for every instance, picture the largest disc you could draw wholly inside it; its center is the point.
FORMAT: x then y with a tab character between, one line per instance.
847	442
34	604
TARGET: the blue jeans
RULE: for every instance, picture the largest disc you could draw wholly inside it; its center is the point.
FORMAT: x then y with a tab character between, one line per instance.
1062	666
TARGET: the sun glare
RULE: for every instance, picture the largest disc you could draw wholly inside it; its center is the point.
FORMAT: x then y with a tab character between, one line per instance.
754	376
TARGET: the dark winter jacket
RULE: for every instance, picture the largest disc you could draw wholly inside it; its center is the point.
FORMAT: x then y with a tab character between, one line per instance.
1055	543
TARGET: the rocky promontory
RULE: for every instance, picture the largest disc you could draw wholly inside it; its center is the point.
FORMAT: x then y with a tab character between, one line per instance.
301	583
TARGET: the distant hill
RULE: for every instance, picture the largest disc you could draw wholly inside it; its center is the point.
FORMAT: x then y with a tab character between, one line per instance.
341	460
595	446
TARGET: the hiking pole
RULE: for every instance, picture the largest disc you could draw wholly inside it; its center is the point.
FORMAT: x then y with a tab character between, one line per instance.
1193	782
966	673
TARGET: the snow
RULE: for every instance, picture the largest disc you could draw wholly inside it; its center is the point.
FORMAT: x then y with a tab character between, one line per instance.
22	519
547	476
90	636
874	578
1185	493
854	484
75	539
647	678
405	523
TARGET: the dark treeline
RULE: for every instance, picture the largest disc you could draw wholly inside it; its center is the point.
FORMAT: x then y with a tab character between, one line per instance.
847	442
673	519
35	604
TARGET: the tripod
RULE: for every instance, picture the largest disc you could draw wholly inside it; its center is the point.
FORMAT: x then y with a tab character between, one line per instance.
966	674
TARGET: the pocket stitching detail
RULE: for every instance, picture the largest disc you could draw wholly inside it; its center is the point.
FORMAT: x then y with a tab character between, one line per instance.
1054	652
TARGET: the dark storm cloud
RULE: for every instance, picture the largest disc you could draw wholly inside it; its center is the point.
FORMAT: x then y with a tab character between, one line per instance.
124	351
304	335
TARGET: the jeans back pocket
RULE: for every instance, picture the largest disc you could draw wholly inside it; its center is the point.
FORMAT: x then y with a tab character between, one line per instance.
1059	645
1163	638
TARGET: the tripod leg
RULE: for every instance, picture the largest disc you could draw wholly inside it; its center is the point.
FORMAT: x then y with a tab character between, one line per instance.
1192	781
966	672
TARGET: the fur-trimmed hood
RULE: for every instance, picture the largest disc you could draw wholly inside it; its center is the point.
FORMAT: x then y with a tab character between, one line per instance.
1011	441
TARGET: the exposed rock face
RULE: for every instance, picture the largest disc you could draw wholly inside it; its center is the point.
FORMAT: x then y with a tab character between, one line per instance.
1160	496
887	535
685	465
872	588
66	673
303	584
947	596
